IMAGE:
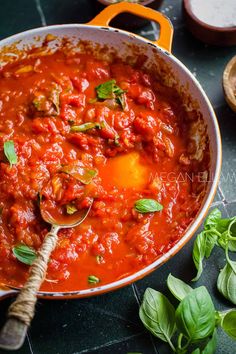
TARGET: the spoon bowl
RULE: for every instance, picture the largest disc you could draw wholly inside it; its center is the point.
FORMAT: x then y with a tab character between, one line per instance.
21	311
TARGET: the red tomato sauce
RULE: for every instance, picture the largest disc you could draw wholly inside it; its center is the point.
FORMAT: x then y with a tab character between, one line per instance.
136	149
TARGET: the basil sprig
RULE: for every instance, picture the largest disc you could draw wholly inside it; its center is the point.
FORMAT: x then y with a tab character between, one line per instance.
24	254
147	206
10	153
192	326
109	90
222	233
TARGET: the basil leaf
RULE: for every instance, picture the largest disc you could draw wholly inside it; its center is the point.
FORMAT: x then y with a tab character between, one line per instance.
210	348
108	89
71	209
158	314
226	283
227	227
229	324
84	127
211	241
9	151
177	287
199	249
196	351
212	219
82	174
92	279
147	206
195	315
24	254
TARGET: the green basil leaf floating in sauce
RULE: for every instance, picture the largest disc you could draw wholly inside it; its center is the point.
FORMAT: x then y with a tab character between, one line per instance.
229	324
195	315
84	127
82	174
147	206
9	151
226	282
92	279
71	209
158	315
178	288
24	254
109	90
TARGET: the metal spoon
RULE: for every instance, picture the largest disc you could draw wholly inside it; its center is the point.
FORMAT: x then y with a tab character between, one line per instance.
21	311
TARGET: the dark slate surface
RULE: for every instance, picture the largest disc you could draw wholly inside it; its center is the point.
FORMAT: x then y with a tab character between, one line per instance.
109	324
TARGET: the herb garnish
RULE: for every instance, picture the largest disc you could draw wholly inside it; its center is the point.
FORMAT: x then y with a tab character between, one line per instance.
109	90
9	151
92	279
24	254
222	233
71	209
194	323
147	206
84	127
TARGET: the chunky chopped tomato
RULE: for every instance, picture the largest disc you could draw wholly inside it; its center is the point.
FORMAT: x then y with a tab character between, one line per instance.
74	147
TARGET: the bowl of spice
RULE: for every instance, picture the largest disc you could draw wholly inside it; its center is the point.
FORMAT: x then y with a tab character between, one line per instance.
229	83
212	21
126	20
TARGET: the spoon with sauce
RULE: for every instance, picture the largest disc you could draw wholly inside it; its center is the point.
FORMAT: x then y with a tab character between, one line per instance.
21	311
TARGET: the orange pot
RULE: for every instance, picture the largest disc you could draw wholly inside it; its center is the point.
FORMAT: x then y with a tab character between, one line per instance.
98	34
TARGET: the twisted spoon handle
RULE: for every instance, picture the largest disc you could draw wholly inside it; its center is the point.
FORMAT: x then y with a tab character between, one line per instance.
21	311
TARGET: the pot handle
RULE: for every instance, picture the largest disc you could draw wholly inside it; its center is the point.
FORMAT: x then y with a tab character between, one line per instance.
166	28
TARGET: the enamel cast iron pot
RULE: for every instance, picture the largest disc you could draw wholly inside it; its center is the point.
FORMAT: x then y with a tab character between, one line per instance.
172	72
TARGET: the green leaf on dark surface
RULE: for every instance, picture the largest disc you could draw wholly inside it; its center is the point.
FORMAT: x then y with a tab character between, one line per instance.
147	206
226	282
24	254
177	287
227	227
211	241
229	324
212	219
210	348
195	315
196	351
199	249
83	174
85	127
10	153
158	315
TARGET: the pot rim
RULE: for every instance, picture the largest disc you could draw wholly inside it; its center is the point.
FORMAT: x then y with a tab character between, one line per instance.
209	195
